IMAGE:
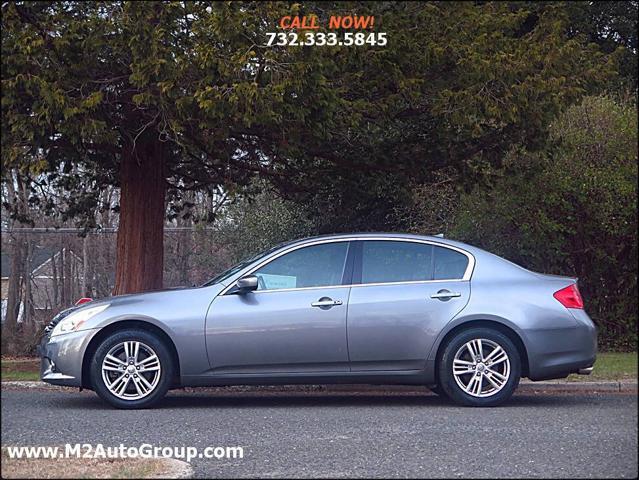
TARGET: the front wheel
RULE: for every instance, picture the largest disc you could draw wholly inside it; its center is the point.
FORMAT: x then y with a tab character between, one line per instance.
480	367
131	369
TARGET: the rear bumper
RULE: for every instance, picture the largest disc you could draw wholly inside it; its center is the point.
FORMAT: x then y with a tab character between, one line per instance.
556	353
62	356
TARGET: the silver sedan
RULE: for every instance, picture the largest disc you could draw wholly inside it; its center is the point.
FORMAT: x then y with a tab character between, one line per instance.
361	308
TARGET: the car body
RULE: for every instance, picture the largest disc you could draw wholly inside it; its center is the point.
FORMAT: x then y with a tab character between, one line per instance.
373	308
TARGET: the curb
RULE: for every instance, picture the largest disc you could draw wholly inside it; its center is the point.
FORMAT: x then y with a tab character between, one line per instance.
31	384
176	469
617	386
525	386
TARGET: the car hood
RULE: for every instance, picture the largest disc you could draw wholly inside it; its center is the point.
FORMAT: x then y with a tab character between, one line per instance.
136	298
127	297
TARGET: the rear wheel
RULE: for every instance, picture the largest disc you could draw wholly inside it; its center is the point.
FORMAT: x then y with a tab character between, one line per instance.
131	369
480	367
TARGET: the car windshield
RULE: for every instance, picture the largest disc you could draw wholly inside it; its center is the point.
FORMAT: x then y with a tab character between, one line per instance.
243	264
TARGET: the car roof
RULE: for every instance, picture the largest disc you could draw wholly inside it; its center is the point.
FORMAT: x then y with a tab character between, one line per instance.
478	254
492	262
373	235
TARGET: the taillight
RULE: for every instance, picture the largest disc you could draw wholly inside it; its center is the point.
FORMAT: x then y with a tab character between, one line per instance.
569	297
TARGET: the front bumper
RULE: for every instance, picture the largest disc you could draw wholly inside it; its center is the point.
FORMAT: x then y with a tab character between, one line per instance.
556	353
62	356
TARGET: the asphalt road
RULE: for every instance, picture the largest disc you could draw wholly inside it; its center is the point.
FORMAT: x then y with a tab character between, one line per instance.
340	434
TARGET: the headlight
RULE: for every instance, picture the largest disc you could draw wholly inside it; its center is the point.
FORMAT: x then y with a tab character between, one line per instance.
75	320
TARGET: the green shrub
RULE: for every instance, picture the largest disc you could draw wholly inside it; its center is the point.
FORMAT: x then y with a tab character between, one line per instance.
571	210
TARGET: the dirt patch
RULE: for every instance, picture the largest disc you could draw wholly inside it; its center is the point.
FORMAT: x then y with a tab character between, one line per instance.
93	468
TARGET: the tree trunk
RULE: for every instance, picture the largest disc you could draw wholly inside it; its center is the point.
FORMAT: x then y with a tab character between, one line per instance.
28	294
63	289
140	242
14	294
85	268
56	294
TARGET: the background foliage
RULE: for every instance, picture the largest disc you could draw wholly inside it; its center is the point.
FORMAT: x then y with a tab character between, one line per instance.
510	125
571	209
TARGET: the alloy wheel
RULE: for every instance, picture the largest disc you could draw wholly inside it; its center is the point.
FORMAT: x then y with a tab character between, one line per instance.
481	367
131	370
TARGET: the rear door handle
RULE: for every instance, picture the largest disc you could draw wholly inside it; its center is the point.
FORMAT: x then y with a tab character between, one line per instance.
326	303
445	294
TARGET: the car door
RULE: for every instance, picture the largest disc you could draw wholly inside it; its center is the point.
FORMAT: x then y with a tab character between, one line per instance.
403	293
295	322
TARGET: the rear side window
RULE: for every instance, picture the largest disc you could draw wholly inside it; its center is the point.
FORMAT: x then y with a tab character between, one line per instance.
314	266
388	261
449	264
385	261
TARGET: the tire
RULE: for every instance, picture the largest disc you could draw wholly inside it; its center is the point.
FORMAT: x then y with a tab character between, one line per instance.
145	384
491	389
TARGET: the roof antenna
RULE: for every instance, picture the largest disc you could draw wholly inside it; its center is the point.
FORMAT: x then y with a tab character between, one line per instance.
440	235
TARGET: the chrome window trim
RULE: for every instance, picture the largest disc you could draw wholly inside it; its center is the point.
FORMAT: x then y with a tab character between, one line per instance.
300	288
466	278
407	282
357	285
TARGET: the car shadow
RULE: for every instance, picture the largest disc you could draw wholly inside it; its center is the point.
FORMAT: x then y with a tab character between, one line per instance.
206	399
302	400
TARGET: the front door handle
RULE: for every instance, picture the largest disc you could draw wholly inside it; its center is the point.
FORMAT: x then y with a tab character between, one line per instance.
445	295
326	302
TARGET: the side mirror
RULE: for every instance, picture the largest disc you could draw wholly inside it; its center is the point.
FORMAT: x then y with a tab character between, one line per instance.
246	284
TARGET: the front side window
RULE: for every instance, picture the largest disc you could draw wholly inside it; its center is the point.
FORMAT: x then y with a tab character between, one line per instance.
385	261
229	272
314	266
